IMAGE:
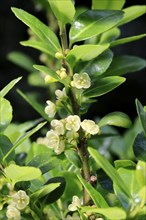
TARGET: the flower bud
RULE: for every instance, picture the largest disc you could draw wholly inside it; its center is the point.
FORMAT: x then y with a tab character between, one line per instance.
59	56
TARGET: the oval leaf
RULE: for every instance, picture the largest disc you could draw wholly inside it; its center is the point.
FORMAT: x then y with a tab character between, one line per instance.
139	147
128	64
63	10
92	23
85	53
141	173
73	157
40	29
118	119
5	146
6	114
103	86
17	174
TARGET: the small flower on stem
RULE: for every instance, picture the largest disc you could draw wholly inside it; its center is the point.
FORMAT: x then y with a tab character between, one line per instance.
58	126
13	213
20	199
53	139
81	81
73	123
90	127
76	203
50	109
60	94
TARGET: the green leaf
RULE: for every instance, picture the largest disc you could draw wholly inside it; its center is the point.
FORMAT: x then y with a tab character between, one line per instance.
119	119
46	70
109	170
17	174
92	23
103	86
41	30
127	40
141	114
124	163
141	173
43	162
40	45
127	176
36	79
56	193
105	182
34	104
96	66
73	157
139	147
45	190
5	146
24	137
5	114
108	4
63	10
110	35
21	60
132	13
85	53
128	64
111	213
8	87
97	198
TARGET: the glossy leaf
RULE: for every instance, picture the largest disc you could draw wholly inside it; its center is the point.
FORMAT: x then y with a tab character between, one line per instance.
132	13
45	190
17	174
127	40
104	180
103	86
141	173
85	53
22	60
110	213
109	170
41	30
73	157
97	198
8	87
110	35
24	137
96	66
34	104
128	176
56	193
141	114
92	23
40	45
128	64
42	162
119	119
5	146
5	114
124	164
108	4
63	10
139	147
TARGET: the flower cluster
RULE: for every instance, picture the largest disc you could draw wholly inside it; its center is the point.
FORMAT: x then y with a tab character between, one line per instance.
65	131
19	202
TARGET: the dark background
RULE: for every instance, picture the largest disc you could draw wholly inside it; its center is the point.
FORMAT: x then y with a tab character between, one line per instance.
12	31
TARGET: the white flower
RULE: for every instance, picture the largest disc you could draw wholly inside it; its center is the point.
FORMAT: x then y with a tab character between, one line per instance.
58	126
53	139
60	93
60	148
73	123
50	109
76	203
13	213
90	127
81	81
21	199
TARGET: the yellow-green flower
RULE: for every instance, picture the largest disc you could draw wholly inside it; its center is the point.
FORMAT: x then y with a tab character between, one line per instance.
76	203
20	199
50	109
73	123
13	213
90	127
